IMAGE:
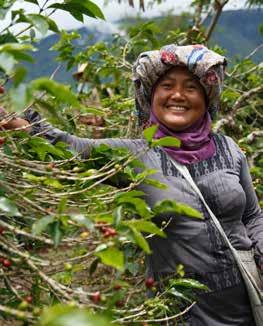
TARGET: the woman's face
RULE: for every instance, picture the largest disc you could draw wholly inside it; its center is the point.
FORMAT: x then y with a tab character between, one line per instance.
179	99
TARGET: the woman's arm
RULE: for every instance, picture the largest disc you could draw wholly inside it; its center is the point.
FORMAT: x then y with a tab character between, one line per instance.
35	125
54	135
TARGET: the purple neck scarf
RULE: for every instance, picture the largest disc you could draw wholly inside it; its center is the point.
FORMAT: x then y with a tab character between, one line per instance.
196	141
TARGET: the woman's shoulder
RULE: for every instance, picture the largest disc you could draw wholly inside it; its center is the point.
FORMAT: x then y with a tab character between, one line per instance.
229	147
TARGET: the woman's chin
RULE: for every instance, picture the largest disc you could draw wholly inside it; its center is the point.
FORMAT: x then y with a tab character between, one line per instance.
178	125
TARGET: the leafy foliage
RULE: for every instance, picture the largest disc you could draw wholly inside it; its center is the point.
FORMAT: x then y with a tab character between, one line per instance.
75	230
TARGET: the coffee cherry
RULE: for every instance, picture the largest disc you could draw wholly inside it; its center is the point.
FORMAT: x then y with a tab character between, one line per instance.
2	140
29	299
2	90
117	287
117	167
119	303
96	297
2	230
109	232
23	305
67	267
6	263
51	166
84	235
149	282
91	172
36	311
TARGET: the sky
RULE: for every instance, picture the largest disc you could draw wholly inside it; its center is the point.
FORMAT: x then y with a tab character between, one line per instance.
114	11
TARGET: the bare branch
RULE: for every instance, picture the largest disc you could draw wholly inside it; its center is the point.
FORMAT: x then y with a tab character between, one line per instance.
253	135
219	7
229	119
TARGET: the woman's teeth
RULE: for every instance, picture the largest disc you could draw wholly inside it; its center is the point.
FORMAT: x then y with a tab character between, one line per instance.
177	108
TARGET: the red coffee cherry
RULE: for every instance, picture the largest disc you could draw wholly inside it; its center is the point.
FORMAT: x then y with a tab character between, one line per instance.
2	90
109	232
149	282
117	287
96	297
1	230
29	299
6	263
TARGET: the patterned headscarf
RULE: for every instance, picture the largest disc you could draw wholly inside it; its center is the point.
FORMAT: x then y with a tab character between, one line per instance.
207	65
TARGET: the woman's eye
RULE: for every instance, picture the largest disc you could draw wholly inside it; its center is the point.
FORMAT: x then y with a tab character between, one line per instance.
191	86
166	85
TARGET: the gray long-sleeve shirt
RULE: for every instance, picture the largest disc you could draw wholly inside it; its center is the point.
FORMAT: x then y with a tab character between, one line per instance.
226	185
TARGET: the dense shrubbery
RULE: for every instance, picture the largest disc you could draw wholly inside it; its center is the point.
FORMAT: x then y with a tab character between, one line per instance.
67	235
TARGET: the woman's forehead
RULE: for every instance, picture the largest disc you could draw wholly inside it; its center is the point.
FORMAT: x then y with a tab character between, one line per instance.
175	72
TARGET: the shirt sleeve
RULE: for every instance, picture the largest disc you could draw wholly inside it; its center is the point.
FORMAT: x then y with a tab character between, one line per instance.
39	127
78	144
252	216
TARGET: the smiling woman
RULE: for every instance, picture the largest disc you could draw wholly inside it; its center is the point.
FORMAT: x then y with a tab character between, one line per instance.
178	88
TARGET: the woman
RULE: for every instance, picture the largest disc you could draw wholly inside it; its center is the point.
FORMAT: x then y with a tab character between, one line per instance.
178	88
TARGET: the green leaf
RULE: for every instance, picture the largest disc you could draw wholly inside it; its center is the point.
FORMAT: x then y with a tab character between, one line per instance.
149	133
138	204
184	209
155	183
17	51
42	147
8	207
56	232
32	177
82	220
93	266
39	22
117	213
132	193
188	283
140	241
78	8
179	295
7	38
145	226
62	205
39	226
65	315
92	7
52	25
53	183
19	75
7	62
19	97
172	206
61	92
32	1
112	257
168	141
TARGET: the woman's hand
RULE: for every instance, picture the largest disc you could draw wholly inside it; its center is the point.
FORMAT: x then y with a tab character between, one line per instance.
14	123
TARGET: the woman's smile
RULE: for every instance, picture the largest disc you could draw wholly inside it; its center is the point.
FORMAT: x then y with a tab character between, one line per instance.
176	108
178	99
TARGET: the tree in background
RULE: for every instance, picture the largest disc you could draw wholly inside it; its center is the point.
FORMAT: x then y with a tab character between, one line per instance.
69	240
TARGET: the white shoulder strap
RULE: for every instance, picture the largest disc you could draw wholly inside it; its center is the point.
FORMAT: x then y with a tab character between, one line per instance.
186	174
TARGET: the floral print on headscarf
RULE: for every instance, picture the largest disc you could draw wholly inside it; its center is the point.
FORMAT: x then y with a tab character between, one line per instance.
207	65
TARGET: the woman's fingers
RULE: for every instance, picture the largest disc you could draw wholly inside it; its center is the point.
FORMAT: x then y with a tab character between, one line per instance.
16	123
12	123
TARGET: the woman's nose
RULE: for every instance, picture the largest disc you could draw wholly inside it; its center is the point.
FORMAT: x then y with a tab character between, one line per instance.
177	93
